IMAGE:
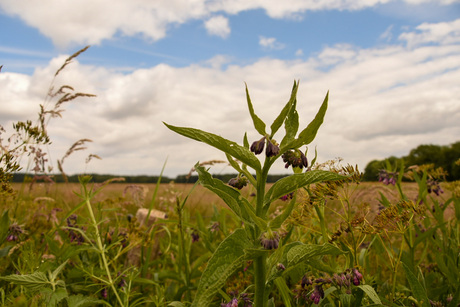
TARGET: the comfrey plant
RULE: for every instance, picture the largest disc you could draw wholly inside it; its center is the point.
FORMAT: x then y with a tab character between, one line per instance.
260	240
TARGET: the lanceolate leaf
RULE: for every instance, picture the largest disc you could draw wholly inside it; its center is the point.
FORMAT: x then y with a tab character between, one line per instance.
282	116
258	123
291	183
371	293
418	291
291	124
307	135
226	260
304	252
239	152
229	195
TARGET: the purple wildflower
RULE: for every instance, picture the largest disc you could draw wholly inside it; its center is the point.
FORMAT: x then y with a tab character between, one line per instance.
258	146
272	149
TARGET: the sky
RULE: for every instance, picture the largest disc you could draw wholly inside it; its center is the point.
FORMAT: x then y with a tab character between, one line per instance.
392	69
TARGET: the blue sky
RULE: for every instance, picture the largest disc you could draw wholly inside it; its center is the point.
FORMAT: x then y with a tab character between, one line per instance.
390	67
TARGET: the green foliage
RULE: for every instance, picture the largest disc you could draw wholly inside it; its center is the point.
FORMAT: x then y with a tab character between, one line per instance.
445	157
314	237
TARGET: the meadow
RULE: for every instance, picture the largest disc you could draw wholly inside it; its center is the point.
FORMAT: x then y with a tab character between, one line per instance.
317	237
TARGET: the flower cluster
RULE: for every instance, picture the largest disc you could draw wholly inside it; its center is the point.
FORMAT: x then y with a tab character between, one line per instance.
295	158
387	177
238	182
342	281
272	147
244	298
434	186
74	235
14	231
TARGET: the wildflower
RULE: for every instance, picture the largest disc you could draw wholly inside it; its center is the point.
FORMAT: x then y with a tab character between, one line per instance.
357	277
317	294
270	240
295	158
434	186
74	236
306	281
215	227
122	282
272	149
387	177
195	236
238	182
232	303
287	196
258	146
104	293
280	267
13	232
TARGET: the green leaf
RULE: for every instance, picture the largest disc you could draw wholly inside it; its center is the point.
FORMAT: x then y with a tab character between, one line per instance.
284	291
418	291
258	123
226	260
304	252
229	195
307	135
371	293
239	152
176	304
291	125
282	116
4	251
279	219
34	281
58	270
293	182
54	297
4	226
82	301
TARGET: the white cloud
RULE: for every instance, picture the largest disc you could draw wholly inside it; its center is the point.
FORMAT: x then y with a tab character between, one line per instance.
270	43
387	35
299	52
443	32
383	101
218	25
83	22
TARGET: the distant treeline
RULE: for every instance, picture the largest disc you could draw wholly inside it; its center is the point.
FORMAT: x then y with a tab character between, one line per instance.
446	156
23	177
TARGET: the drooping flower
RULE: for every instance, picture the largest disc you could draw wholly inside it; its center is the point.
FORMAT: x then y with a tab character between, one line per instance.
272	149
238	182
258	146
270	240
295	158
357	277
317	294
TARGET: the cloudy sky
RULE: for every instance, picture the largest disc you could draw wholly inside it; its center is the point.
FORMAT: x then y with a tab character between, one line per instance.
392	69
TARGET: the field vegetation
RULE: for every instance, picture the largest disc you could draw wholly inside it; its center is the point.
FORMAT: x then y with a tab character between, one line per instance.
319	236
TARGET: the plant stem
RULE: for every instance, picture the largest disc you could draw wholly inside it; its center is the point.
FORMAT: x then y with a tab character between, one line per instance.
260	262
259	279
101	247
